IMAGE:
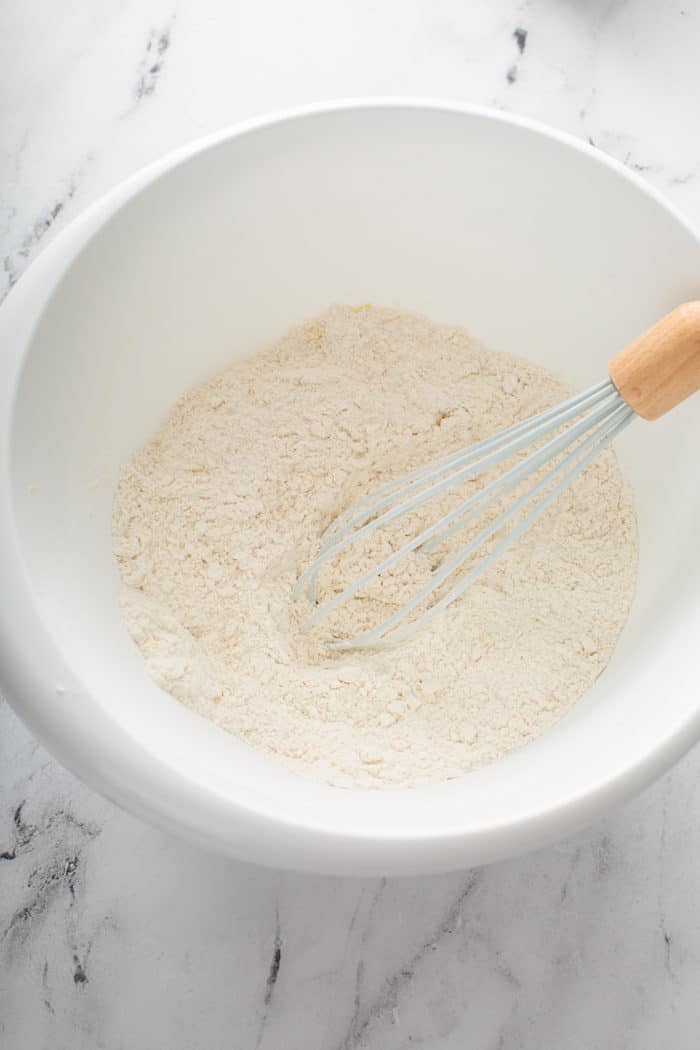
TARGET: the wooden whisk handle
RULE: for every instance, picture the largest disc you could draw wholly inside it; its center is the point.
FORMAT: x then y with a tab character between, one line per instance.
661	368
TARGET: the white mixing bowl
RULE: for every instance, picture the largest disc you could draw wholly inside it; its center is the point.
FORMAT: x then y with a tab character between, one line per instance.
537	244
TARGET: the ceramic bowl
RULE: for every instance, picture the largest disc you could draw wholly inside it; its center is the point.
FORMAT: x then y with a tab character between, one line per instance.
537	244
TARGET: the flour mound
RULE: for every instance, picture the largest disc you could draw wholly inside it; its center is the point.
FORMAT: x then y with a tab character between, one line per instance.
217	516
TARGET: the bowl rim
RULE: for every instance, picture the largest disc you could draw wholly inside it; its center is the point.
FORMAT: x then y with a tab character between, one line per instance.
72	745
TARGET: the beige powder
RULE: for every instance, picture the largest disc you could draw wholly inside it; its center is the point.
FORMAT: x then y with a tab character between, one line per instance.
216	517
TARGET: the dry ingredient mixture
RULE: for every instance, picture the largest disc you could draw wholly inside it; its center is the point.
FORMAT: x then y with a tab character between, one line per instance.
216	517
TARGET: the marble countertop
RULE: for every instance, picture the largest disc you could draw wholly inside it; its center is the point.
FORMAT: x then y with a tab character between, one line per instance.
113	935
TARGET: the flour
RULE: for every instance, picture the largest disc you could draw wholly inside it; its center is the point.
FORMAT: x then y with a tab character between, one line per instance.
216	517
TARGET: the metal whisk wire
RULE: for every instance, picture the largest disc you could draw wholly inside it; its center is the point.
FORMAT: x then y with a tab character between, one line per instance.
604	414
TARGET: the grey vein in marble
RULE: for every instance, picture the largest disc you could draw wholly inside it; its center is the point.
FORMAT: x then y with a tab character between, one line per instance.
520	37
45	881
14	262
153	61
395	986
272	977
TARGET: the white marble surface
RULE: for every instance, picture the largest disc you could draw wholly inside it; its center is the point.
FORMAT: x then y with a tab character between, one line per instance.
113	935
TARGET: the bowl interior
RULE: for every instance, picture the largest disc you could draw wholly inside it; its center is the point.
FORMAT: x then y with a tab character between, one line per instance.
536	247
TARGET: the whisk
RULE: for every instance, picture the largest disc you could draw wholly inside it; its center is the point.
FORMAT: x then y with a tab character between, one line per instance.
648	378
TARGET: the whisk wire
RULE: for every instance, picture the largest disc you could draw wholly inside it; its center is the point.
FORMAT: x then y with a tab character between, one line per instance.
472	461
458	517
382	635
374	503
604	414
